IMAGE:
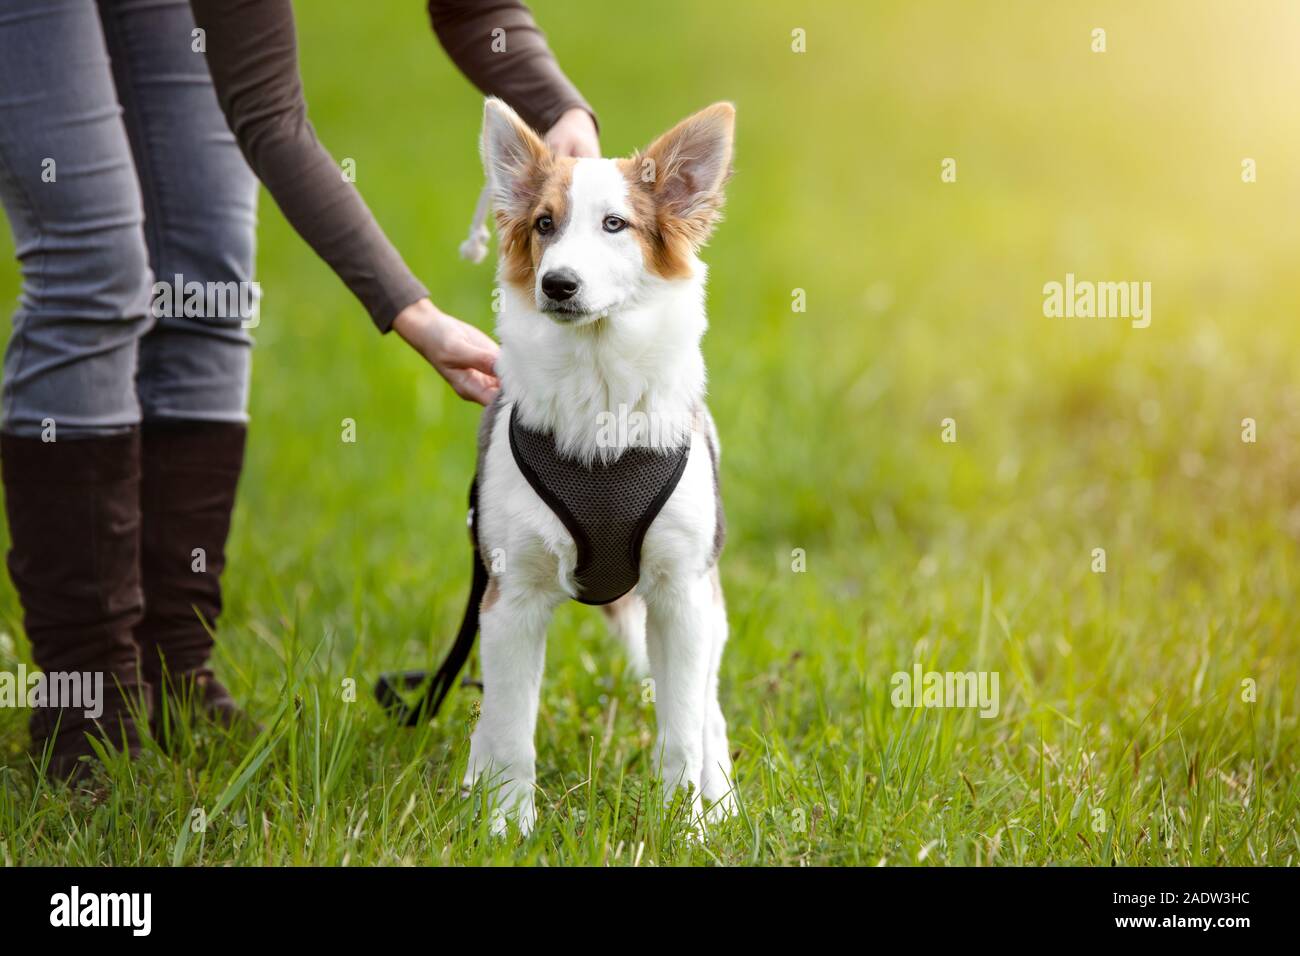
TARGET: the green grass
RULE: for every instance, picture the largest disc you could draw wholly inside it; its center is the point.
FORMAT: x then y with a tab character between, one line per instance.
1122	738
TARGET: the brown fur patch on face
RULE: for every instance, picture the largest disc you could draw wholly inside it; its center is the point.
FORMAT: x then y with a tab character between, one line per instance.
675	189
675	186
665	245
521	244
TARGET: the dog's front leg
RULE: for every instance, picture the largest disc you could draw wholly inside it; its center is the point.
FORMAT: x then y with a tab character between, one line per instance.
678	640
502	752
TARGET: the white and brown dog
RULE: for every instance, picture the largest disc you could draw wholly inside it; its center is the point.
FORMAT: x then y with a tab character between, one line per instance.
600	321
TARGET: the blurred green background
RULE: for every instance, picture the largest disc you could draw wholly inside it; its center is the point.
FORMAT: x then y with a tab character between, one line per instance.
924	302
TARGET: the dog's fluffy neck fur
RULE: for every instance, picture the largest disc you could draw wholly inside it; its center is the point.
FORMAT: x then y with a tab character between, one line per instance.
574	381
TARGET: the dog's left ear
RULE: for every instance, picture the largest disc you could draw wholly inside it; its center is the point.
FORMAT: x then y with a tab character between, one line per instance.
686	167
514	158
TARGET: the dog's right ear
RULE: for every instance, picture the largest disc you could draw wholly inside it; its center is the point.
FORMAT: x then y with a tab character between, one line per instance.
514	159
687	167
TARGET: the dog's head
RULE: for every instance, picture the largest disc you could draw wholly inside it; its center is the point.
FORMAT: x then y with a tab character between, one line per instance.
585	237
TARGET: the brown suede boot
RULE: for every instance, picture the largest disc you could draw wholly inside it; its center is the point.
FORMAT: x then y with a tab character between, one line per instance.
190	470
74	524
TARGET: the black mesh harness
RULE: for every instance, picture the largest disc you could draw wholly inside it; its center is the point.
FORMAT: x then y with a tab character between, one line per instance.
607	507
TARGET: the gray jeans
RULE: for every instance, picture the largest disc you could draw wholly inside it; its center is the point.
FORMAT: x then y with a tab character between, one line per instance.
116	167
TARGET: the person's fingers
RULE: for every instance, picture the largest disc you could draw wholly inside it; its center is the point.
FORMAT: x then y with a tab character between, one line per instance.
490	382
557	139
574	146
485	357
475	386
463	344
484	360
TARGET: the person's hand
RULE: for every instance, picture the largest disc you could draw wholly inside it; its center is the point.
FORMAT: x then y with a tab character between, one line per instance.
574	134
462	354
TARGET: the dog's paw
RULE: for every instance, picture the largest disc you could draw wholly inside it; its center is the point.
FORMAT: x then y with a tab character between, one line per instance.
507	802
523	814
723	808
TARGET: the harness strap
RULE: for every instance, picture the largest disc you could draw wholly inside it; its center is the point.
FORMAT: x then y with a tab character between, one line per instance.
386	688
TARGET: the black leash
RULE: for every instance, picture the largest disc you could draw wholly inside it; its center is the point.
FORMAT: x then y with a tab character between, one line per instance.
387	692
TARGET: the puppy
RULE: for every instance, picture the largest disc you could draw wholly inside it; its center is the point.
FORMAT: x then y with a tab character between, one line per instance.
601	313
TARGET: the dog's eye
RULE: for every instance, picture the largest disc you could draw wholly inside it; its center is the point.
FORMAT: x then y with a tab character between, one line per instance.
614	224
545	224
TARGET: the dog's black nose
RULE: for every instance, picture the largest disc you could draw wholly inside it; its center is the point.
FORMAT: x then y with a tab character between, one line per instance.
560	284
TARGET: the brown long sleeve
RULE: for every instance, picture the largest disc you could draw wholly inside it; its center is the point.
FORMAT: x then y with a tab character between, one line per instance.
252	53
499	48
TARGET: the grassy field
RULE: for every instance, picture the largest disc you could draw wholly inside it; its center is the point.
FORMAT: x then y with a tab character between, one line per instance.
1125	734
